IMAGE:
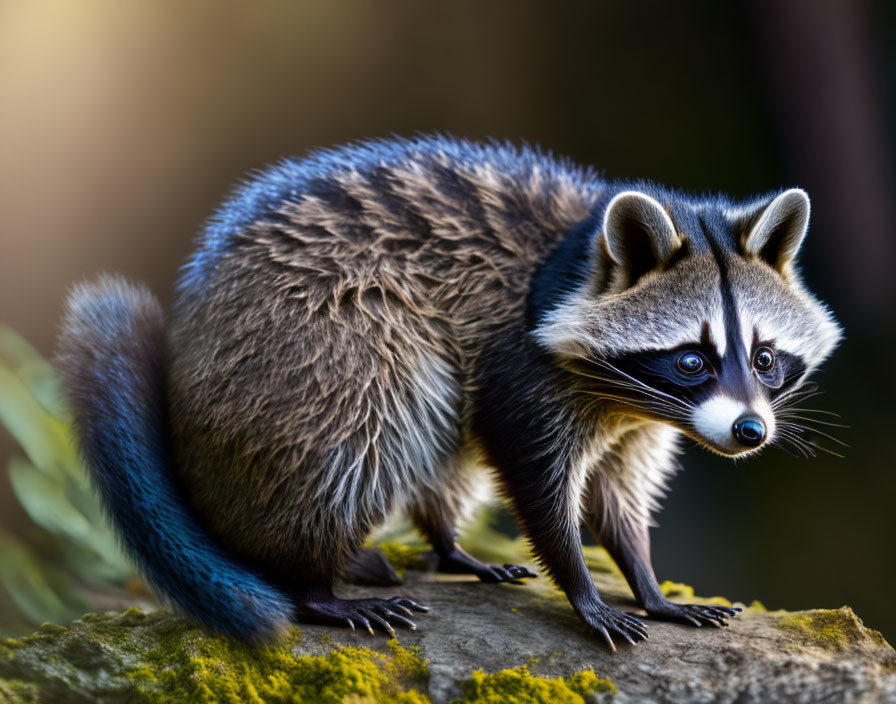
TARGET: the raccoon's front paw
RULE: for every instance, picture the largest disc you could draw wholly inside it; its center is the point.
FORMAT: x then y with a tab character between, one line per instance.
694	614
607	622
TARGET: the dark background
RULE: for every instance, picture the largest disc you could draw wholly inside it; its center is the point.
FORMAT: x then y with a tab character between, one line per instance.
122	125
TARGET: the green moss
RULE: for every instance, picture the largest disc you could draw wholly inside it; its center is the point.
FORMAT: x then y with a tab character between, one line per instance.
8	646
17	691
833	629
677	590
714	601
50	628
194	667
519	686
757	605
598	560
404	557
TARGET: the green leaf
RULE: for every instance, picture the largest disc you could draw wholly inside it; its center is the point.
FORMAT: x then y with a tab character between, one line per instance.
44	500
44	438
27	582
37	373
71	546
93	553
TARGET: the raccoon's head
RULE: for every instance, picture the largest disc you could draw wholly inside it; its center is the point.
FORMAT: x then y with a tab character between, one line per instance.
691	312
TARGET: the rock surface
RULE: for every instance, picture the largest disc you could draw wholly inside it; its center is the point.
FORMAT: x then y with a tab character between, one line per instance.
806	656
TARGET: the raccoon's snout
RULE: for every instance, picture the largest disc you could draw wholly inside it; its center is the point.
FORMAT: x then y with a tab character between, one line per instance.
732	427
749	431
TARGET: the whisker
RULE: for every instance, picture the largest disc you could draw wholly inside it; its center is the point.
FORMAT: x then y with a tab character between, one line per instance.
640	404
824	449
640	395
799	394
796	439
810	410
790	416
800	444
640	383
778	443
815	431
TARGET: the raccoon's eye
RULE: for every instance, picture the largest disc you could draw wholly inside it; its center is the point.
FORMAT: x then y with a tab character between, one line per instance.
764	360
690	363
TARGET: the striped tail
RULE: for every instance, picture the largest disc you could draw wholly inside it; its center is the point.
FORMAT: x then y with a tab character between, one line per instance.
111	356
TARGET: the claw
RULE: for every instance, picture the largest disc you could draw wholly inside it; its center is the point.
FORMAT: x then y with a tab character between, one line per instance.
697	614
635	626
404	609
409	603
364	622
389	614
376	618
363	613
606	635
519	571
626	636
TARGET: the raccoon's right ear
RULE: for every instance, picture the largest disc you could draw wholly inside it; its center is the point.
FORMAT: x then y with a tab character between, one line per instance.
776	232
638	235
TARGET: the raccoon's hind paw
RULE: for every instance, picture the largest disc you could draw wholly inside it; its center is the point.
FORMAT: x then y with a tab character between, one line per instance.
504	573
381	614
694	614
459	562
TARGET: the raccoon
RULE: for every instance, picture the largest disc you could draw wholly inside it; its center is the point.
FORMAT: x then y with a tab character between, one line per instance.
360	332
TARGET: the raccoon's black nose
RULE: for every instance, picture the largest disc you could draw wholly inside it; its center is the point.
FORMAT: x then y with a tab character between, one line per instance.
749	431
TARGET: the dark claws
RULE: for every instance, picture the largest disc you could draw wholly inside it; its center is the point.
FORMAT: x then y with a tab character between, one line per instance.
403	609
695	614
363	613
512	574
381	622
364	622
603	631
609	623
409	604
389	614
519	571
628	638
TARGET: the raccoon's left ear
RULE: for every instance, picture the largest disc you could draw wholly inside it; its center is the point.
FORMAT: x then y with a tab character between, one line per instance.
778	232
638	235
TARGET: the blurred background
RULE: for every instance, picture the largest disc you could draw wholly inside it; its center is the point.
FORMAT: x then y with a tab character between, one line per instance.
123	124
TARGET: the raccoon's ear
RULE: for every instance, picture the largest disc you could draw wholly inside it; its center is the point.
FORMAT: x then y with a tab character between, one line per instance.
778	232
638	234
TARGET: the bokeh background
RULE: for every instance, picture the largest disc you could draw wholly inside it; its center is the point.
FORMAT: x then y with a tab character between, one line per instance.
123	124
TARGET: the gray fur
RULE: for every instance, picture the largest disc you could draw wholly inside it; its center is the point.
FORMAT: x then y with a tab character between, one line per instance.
327	369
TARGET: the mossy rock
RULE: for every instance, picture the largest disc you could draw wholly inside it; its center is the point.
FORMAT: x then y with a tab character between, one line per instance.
159	658
833	629
481	644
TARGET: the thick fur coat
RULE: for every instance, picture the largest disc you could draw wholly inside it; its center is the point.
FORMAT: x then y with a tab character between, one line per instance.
363	331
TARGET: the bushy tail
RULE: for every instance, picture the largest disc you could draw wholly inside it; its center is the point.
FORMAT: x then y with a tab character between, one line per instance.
111	353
